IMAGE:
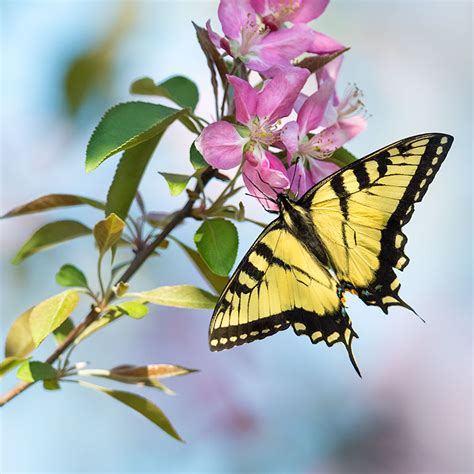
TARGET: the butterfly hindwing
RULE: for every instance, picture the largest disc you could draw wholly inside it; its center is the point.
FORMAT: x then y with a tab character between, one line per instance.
278	284
359	212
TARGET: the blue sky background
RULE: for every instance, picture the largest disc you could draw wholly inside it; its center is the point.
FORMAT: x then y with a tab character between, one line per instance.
282	404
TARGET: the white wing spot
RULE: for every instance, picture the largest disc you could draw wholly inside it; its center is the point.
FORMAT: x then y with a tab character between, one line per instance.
444	140
233	338
435	160
439	150
300	326
214	342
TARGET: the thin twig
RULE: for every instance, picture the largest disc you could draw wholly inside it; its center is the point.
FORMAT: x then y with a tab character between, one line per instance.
136	263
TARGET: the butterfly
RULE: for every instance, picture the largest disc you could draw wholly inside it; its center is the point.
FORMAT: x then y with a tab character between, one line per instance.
344	235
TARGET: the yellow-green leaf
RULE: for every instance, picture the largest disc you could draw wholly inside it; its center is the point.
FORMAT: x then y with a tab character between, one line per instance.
9	363
180	296
50	235
32	371
70	276
107	232
134	309
176	182
19	342
51	313
52	201
141	405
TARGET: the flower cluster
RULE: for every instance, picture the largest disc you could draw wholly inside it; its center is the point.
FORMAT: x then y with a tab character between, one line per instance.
277	152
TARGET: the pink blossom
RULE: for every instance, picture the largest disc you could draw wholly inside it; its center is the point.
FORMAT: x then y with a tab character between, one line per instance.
265	177
254	43
223	145
274	13
335	122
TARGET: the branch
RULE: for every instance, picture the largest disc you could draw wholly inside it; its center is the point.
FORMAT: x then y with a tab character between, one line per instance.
136	263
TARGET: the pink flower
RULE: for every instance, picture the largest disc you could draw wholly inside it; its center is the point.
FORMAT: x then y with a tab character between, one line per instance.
275	13
257	46
265	177
336	121
223	145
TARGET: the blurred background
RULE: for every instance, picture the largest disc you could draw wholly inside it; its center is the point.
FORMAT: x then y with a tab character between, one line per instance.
282	404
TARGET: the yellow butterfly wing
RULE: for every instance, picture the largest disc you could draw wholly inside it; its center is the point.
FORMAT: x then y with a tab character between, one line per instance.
358	214
278	284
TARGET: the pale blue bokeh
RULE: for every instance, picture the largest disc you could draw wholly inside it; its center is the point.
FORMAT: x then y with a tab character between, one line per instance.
280	405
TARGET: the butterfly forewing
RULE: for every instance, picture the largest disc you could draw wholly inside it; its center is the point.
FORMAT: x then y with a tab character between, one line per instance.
359	213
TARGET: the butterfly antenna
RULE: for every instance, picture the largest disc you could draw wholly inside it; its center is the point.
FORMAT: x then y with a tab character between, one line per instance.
258	189
294	174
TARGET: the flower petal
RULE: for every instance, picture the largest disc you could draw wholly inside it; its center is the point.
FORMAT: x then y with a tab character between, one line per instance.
265	177
221	145
289	136
213	36
279	47
245	97
323	44
332	138
278	96
308	10
235	15
312	112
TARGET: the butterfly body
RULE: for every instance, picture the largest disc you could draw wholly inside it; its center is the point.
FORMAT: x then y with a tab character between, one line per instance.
344	234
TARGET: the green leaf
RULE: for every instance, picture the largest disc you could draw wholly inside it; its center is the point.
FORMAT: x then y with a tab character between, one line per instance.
179	89
176	182
9	363
63	331
125	126
107	232
129	173
50	235
341	157
99	324
31	371
134	309
141	405
180	296
52	201
70	276
48	315
197	160
19	342
216	281
313	63
217	242
51	385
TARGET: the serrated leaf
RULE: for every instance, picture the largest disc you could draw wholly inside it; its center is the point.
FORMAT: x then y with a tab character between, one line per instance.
134	309
107	232
63	331
180	296
176	182
216	281
70	276
9	363
48	315
197	160
32	371
127	178
125	126
52	201
50	235
313	63
217	242
141	405
341	157
179	89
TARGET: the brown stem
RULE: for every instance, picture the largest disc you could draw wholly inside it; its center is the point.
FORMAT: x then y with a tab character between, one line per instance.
136	263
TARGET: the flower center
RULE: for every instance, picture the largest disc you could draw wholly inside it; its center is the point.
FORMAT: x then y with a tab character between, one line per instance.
281	12
351	103
250	35
262	132
314	148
